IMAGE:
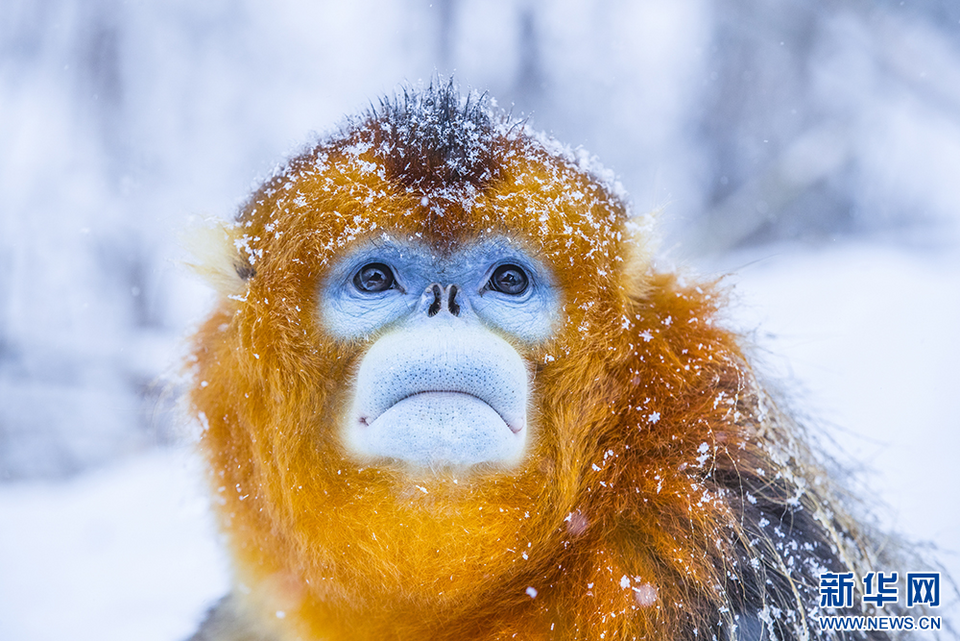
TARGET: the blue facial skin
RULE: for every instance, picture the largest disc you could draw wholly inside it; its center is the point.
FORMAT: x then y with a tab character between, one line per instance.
349	313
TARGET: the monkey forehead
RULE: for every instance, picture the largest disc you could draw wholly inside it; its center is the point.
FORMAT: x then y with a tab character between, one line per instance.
540	190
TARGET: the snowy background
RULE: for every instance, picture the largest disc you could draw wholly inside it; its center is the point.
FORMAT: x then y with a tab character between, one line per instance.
809	148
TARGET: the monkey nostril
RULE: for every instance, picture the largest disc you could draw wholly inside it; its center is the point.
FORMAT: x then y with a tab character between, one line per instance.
436	304
441	297
452	301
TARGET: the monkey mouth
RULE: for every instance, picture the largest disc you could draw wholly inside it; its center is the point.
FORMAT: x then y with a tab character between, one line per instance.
514	423
439	429
452	402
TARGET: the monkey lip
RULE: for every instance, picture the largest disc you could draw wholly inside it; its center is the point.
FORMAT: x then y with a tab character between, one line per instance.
439	428
515	423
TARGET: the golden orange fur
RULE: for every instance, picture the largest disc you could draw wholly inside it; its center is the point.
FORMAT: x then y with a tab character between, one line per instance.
663	494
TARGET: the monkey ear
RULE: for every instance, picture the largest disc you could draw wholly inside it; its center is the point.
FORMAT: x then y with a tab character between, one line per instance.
640	243
213	254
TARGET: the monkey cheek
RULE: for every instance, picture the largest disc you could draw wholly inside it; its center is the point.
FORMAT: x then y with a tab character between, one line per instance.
439	429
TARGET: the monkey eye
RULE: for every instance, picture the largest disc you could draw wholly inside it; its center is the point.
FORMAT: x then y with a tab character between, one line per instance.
373	278
508	279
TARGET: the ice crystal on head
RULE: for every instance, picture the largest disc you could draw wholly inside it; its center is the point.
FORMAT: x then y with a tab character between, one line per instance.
581	160
357	149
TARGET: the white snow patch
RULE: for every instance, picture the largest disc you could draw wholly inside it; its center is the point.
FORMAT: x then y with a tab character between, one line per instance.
128	552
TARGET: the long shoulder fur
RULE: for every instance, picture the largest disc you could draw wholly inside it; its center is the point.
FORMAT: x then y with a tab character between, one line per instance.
770	519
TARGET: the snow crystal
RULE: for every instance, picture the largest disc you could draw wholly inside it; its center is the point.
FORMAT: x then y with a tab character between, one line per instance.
645	594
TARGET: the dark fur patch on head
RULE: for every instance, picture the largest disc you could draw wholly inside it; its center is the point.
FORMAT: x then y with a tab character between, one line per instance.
245	270
436	138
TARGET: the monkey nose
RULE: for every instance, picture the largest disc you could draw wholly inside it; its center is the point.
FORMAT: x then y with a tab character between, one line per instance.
436	298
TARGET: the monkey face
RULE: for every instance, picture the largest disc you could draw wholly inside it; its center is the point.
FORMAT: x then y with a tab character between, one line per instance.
441	383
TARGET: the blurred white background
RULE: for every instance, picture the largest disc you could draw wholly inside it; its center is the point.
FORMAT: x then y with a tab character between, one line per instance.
812	147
